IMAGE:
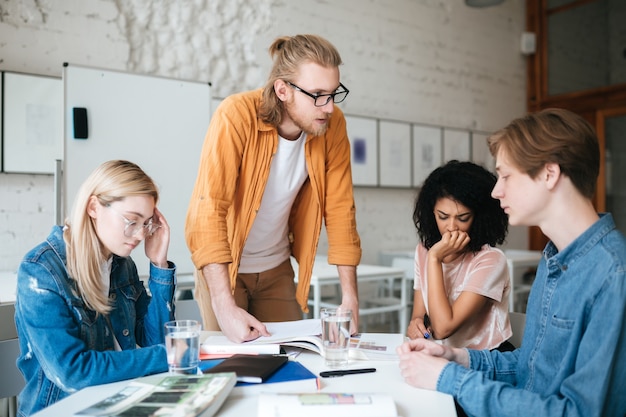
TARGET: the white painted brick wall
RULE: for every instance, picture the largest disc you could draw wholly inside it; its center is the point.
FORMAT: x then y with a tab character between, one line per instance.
426	61
26	215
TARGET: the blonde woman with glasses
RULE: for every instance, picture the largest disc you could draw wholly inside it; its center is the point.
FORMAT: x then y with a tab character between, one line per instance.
82	314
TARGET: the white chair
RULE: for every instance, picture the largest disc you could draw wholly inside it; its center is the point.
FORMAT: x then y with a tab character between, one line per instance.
11	381
389	294
518	323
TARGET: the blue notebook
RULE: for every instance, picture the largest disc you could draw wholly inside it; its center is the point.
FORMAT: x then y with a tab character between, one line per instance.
291	371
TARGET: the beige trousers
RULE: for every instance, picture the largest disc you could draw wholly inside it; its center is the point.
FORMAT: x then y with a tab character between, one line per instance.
269	296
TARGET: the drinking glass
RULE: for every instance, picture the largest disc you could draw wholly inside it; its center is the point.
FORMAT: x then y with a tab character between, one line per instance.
182	343
335	335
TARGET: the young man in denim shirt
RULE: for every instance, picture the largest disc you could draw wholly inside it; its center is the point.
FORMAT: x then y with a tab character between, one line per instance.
573	356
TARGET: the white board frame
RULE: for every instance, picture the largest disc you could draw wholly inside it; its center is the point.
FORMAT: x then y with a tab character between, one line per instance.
158	123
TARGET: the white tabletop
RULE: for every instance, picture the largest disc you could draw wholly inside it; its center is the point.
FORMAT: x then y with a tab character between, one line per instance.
323	271
242	401
520	255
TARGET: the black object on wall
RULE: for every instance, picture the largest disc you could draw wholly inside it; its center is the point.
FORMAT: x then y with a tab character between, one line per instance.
81	130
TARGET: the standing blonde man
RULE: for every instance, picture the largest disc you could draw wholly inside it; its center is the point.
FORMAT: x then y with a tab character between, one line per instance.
274	165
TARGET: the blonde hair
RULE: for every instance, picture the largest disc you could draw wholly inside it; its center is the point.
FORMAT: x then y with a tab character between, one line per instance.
112	181
288	52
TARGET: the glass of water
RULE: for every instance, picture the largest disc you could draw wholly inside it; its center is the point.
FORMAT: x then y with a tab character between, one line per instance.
182	343
336	335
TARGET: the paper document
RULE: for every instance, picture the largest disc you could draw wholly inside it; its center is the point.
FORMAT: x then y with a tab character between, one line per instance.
281	332
305	334
326	404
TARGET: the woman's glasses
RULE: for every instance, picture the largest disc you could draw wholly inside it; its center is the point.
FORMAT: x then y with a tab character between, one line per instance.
132	228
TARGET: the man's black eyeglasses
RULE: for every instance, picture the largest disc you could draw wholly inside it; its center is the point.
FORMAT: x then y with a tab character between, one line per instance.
321	100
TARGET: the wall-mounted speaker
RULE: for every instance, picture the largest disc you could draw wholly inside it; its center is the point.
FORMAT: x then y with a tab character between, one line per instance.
81	130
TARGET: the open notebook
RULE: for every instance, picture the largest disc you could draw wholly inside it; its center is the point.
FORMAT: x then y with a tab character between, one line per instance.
305	334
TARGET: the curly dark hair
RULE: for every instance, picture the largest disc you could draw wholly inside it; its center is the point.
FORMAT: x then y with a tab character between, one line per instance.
469	184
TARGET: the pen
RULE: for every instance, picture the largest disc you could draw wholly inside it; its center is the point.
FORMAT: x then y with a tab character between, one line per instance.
331	374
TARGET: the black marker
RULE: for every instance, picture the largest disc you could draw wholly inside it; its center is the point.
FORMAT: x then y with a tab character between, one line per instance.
331	374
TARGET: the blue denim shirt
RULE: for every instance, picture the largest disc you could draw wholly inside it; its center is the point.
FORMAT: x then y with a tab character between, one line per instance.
572	361
65	346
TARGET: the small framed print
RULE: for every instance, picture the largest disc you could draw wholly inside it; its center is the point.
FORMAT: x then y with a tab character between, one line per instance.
363	135
427	152
395	154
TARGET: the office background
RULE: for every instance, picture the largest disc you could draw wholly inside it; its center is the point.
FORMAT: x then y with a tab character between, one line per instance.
432	62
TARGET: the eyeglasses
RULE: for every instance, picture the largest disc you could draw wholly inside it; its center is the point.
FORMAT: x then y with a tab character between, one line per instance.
321	100
132	228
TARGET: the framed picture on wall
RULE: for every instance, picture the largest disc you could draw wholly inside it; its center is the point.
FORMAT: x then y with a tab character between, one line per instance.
480	151
395	154
456	145
1	113
363	135
427	152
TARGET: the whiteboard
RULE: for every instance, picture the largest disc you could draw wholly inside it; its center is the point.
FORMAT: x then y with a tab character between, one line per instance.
158	123
33	115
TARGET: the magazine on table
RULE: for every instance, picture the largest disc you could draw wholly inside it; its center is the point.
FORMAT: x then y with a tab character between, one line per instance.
305	334
171	395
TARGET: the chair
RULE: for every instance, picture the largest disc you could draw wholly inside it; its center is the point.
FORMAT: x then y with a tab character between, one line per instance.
12	381
187	310
389	293
518	322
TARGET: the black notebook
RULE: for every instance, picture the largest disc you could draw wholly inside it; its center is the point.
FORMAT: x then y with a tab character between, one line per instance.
250	368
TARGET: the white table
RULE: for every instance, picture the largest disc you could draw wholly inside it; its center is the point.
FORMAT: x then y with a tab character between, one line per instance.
242	401
517	259
327	275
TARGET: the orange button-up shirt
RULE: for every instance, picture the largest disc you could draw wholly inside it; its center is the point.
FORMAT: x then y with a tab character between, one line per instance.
234	168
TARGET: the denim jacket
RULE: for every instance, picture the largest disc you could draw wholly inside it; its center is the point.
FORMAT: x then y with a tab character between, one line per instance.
572	361
65	346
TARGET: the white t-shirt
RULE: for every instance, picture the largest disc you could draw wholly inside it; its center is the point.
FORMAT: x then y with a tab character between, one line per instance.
267	245
105	270
485	273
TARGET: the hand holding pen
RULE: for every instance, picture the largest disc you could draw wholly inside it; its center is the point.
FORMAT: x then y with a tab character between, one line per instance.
429	331
420	328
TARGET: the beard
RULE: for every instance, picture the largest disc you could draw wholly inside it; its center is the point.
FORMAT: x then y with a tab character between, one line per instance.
308	126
